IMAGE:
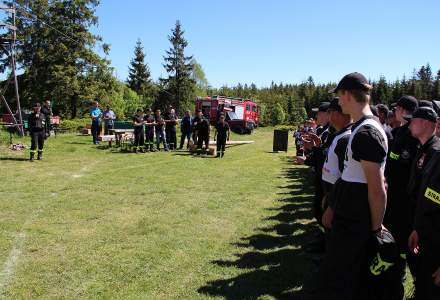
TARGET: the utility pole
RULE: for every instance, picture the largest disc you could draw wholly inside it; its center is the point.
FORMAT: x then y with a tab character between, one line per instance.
12	53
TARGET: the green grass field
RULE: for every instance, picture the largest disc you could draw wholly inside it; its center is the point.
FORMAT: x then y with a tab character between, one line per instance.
89	222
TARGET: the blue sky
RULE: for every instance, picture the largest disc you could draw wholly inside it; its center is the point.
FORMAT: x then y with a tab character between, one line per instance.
285	41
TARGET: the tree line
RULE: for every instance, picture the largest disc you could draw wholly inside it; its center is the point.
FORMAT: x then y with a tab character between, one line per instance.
58	59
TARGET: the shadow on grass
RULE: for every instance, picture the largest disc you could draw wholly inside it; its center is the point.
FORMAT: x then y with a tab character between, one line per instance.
14	158
274	257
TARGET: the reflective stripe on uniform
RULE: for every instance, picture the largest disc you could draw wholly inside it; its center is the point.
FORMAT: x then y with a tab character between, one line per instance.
394	155
432	195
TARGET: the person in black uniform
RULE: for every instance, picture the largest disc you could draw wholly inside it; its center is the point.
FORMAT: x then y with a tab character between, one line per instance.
149	130
424	189
139	134
170	128
400	157
360	198
196	120
160	131
186	126
36	129
321	142
334	162
47	111
222	132
202	130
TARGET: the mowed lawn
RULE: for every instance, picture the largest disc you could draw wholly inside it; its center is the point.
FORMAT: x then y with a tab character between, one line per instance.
90	222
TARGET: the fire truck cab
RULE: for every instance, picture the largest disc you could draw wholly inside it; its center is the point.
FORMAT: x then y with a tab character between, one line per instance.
242	115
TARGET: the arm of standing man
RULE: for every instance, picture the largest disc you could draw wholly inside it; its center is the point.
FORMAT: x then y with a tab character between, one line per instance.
376	192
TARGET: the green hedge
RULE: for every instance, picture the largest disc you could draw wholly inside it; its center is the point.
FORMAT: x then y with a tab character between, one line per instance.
285	127
75	124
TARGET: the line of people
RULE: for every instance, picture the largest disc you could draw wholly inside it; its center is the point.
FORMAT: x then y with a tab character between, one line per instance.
377	194
153	130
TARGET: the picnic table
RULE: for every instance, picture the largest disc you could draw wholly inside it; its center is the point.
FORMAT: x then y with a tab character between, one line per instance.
120	133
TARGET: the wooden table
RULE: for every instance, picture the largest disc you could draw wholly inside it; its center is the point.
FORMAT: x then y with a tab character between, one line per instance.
119	133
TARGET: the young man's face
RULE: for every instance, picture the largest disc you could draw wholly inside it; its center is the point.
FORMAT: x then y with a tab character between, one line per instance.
222	119
37	109
399	112
344	100
200	114
157	112
333	117
322	118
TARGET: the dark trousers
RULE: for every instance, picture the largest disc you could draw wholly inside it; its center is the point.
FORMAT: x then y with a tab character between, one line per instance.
341	273
47	128
187	135
317	200
149	139
139	138
221	143
428	261
96	129
37	139
171	138
202	138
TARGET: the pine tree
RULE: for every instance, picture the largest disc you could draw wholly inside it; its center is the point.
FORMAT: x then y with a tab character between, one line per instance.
59	61
179	85
139	77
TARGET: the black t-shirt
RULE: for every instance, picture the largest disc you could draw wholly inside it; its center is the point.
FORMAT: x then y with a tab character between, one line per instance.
160	122
138	119
341	147
172	120
149	119
222	129
203	127
368	143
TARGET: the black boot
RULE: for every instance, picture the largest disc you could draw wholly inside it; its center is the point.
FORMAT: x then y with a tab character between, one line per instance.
32	156
40	155
223	154
218	155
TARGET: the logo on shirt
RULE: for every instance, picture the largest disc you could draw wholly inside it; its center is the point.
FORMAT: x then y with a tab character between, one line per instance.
432	195
394	155
405	154
378	265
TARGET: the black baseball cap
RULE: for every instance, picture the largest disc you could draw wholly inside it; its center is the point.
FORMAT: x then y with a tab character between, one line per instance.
409	103
322	107
425	113
425	103
37	104
436	106
334	105
352	81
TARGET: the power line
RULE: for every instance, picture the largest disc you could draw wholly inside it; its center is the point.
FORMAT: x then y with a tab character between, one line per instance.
35	18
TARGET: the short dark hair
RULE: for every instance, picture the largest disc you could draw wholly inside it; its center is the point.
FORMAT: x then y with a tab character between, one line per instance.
361	96
139	110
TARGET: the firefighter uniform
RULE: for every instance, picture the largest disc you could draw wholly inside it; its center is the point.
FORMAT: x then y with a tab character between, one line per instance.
47	111
203	129
139	134
222	135
170	130
37	133
341	272
149	132
424	189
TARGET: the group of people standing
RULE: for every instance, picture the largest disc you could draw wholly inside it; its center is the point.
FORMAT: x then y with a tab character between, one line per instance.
377	195
153	129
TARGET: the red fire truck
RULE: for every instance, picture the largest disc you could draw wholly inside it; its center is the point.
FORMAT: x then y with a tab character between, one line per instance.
242	115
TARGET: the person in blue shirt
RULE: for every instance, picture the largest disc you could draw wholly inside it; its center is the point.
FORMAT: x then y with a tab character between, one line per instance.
95	115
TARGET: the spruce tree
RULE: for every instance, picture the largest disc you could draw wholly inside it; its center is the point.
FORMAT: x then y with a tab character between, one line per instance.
179	85
139	77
